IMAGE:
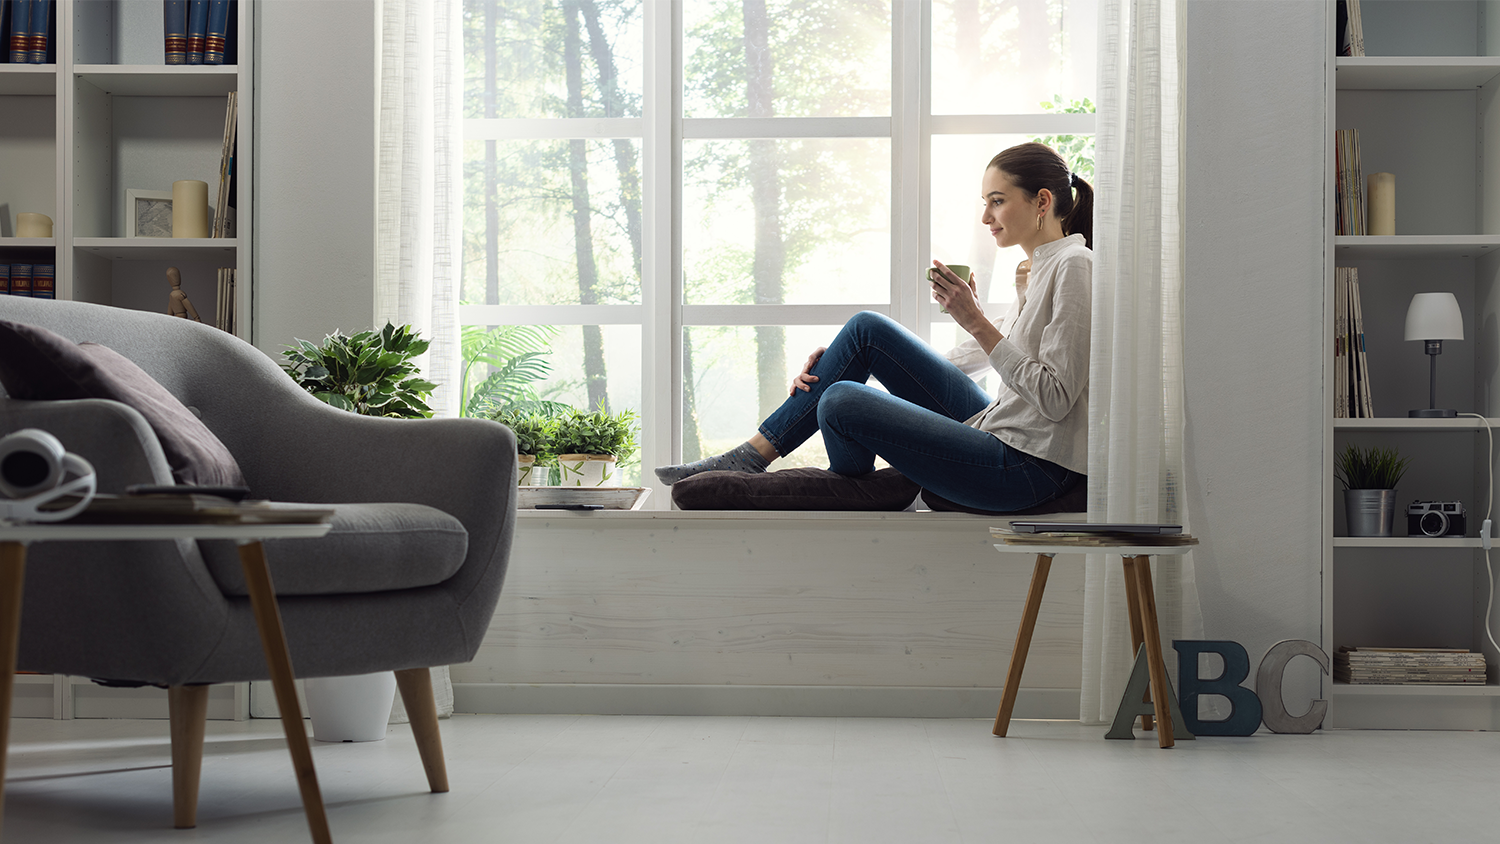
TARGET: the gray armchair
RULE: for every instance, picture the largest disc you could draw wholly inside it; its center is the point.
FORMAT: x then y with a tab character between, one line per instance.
407	579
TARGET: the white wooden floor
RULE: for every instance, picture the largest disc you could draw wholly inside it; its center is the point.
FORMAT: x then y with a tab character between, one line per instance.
521	779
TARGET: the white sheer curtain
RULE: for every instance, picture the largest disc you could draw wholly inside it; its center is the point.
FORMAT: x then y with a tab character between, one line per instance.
417	187
1135	404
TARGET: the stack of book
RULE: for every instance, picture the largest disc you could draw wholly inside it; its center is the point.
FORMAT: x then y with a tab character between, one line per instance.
1349	29
26	31
1349	211
1409	666
39	281
1351	395
225	320
224	207
198	31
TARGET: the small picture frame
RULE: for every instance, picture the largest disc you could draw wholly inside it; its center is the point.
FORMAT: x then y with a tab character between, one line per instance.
148	213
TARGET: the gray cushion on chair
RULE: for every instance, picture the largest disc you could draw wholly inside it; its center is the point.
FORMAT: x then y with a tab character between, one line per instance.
371	548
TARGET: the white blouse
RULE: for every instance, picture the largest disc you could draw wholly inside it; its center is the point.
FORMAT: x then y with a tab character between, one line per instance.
1043	404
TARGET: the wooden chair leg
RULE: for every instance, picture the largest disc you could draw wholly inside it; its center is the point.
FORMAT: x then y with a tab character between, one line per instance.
416	693
1023	643
1133	609
1154	657
187	707
12	582
279	660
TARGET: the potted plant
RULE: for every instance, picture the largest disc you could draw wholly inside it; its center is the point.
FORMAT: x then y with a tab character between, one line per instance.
372	373
534	435
591	443
1369	477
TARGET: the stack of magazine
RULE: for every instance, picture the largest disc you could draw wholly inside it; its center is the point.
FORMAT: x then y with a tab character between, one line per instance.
1351	367
1349	29
1349	211
1409	666
226	319
224	207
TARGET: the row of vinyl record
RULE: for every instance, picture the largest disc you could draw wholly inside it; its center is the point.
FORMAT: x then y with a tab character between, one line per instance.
1351	396
27	28
39	281
1409	666
199	31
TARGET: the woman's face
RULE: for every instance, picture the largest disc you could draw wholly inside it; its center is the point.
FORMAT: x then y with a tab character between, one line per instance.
1009	214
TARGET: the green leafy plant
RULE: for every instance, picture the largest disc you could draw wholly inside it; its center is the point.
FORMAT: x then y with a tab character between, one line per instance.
371	373
596	432
516	356
1372	468
534	431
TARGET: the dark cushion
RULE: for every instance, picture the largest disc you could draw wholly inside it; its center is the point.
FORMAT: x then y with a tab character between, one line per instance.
37	364
370	548
1075	500
795	489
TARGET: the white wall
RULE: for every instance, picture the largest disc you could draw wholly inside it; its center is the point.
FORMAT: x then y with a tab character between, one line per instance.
1255	148
315	93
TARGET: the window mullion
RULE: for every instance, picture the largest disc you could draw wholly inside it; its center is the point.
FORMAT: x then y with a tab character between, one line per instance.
910	153
661	270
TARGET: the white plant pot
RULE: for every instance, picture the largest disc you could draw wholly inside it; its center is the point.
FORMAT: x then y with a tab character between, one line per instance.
587	470
526	471
353	708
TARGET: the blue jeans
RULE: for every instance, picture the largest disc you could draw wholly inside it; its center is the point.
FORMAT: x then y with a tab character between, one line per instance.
918	427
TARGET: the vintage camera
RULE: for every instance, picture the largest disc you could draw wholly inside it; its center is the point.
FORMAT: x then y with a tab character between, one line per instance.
1436	518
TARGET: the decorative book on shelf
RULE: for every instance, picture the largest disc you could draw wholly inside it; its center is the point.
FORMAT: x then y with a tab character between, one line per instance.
27	30
1409	666
197	30
174	30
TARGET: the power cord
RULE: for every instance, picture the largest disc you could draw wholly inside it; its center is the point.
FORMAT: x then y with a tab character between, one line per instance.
1484	529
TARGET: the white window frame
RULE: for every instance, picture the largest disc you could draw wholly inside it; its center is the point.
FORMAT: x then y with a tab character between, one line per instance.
661	131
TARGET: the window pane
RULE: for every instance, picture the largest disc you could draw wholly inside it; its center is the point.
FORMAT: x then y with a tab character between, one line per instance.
522	216
723	396
518	54
826	59
823	236
958	236
1009	56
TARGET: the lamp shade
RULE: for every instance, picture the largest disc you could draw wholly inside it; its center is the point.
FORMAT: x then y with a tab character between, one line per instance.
1434	316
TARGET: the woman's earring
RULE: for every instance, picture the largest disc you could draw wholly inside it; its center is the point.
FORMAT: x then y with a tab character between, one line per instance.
1039	221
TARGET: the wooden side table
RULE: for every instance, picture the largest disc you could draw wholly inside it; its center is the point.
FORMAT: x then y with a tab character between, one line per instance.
187	754
1140	600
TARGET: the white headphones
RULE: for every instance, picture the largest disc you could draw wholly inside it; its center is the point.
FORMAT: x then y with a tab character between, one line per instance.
33	464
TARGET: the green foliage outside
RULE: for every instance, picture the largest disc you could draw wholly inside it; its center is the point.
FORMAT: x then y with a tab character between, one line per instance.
501	368
371	373
1077	150
1370	468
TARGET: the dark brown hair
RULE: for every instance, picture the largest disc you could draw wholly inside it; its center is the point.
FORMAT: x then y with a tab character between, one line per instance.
1034	166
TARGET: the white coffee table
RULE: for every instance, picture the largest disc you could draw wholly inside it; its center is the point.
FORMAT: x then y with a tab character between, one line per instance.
1140	601
13	541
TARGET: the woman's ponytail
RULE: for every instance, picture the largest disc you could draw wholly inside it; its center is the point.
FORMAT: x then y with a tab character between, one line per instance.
1080	220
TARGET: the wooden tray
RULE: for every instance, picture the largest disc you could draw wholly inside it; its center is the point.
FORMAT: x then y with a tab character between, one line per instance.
611	498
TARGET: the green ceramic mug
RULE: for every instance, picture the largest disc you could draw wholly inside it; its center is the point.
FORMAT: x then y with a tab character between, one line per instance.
959	270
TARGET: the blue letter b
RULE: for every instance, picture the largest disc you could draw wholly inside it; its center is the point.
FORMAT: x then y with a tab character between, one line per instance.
1244	715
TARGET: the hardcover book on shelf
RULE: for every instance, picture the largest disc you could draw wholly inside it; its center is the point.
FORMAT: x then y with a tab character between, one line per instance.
174	30
42	26
218	31
4	279
19	31
20	279
43	281
197	30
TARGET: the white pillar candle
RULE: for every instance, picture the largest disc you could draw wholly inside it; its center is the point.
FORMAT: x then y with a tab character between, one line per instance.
190	208
1382	196
32	224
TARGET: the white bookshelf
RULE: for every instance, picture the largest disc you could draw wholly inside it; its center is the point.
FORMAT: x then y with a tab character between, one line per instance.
111	116
1426	102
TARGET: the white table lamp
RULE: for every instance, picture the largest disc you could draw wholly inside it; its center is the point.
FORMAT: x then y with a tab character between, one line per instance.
1433	318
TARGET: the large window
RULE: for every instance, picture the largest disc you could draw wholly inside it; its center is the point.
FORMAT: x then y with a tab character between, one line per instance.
668	205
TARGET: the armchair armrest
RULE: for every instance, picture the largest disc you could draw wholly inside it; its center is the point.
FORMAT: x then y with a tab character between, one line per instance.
112	436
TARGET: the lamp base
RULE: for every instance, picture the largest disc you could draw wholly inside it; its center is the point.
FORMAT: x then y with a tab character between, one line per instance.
1432	413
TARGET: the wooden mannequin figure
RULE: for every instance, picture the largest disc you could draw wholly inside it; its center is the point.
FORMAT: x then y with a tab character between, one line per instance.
178	304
